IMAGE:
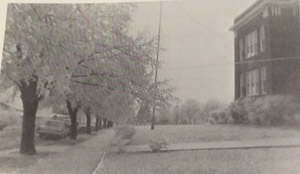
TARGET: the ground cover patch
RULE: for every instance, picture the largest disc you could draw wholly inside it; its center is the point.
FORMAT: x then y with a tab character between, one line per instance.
208	133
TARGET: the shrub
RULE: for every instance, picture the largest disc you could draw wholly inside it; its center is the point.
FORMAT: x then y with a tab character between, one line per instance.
124	131
123	137
156	143
265	111
273	110
220	116
238	110
119	143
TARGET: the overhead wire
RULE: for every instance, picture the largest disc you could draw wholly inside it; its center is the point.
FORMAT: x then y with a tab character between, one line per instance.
234	63
196	20
220	36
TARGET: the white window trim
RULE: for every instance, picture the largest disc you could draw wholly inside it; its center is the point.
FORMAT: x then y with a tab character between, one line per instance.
265	13
263	80
251	44
276	11
242	85
252	82
241	49
262	38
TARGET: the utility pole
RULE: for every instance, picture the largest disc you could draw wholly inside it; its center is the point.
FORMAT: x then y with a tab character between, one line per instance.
155	79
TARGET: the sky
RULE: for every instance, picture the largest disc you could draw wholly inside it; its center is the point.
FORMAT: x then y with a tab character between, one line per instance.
198	51
198	47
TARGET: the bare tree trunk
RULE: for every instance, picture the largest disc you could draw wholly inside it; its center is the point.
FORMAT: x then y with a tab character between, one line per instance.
88	122
100	123
30	102
104	123
73	127
191	120
97	123
189	117
153	119
73	117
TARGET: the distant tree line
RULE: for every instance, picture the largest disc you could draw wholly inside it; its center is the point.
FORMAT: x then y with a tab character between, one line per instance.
189	112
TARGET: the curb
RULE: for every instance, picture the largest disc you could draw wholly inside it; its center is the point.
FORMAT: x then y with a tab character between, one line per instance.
279	143
100	165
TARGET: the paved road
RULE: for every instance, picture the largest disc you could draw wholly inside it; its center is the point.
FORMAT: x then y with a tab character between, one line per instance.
80	159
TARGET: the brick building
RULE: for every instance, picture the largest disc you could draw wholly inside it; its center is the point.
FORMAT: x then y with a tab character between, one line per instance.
267	49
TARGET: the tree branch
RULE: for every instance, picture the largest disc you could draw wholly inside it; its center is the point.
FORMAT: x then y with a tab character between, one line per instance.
87	75
85	83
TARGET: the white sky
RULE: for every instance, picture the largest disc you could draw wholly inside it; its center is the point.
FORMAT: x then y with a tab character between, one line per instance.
195	33
199	47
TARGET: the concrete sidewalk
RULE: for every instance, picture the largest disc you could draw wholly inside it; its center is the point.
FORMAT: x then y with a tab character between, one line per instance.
263	143
82	158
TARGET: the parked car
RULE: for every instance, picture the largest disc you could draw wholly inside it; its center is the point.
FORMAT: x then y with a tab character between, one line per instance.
110	123
53	129
63	118
82	128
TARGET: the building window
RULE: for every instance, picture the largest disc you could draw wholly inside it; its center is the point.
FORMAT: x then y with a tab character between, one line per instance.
242	85
248	84
262	38
295	11
263	73
241	49
256	81
276	11
252	83
266	13
251	44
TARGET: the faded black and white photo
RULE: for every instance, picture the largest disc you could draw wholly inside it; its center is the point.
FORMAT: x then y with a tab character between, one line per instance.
150	87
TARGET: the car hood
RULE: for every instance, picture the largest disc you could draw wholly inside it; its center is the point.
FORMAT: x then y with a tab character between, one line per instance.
44	127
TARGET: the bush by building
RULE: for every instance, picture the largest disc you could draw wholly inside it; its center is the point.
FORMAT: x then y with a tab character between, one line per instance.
266	111
220	116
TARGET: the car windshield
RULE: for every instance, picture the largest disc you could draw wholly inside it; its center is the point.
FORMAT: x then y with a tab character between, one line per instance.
54	123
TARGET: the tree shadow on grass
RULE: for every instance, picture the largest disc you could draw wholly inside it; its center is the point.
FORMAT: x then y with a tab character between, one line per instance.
16	161
67	141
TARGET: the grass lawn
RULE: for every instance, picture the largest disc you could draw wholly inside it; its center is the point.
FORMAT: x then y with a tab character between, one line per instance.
14	162
206	133
230	161
262	161
10	138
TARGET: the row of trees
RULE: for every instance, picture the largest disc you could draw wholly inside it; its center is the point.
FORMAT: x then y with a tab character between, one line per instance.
189	112
79	56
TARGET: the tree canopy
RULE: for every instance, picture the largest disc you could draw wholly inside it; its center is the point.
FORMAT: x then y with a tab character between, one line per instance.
78	53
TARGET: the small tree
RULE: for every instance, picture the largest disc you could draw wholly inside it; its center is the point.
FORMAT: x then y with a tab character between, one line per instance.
190	109
164	115
143	115
210	106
